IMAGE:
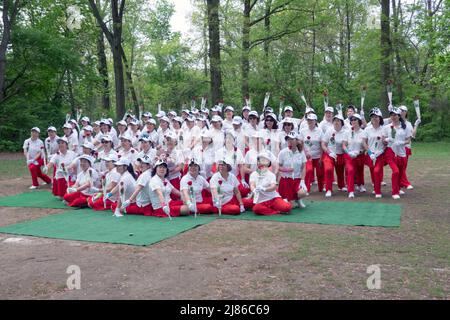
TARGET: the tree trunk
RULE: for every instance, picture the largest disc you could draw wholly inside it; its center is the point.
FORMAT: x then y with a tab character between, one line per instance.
71	96
245	64
396	46
130	82
267	28
205	42
103	70
386	49
214	49
313	58
348	31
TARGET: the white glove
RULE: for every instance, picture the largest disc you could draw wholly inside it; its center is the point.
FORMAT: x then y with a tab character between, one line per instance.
418	121
71	190
242	208
245	184
191	207
125	204
373	156
362	113
353	154
303	185
29	162
45	170
166	209
389	140
332	155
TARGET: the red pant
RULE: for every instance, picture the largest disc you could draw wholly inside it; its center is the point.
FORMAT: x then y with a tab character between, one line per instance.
176	184
288	188
271	207
404	182
98	205
358	166
329	164
312	164
174	207
376	172
76	199
391	159
232	207
134	209
243	190
36	173
204	207
59	187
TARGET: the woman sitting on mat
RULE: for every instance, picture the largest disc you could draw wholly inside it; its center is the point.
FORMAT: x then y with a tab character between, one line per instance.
191	187
263	184
139	202
125	188
162	204
109	181
86	185
227	198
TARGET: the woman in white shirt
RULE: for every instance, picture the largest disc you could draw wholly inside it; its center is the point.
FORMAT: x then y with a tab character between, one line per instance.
226	197
109	181
125	188
33	149
312	140
174	159
292	162
333	155
271	134
86	185
204	156
263	184
288	126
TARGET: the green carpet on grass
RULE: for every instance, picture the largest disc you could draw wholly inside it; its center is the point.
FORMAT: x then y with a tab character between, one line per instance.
87	225
336	213
33	199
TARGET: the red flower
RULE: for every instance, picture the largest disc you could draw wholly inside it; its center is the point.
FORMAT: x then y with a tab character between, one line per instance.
378	138
392	127
62	165
308	137
42	147
58	153
268	141
353	129
121	183
333	135
325	93
119	156
165	183
132	151
189	183
220	182
235	149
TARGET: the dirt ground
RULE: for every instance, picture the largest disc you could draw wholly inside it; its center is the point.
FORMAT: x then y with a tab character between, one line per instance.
229	259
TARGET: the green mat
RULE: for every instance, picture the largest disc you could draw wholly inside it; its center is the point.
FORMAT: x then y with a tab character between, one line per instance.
87	225
34	199
337	213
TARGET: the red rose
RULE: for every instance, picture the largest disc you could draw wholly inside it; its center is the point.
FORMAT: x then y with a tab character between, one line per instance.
268	141
235	149
62	165
392	127
165	183
189	183
333	135
353	129
308	137
378	138
58	153
119	156
220	182
42	147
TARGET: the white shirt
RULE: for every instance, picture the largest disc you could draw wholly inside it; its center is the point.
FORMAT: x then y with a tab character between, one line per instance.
240	139
205	158
375	139
33	148
325	125
400	135
99	164
234	158
355	140
271	140
290	159
313	144
264	180
58	159
73	141
129	185
131	154
198	184
251	159
91	176
112	176
227	187
166	188
174	159
143	198
218	138
151	153
51	146
335	139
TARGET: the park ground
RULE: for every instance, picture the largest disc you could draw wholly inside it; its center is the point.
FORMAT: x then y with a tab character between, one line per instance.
229	259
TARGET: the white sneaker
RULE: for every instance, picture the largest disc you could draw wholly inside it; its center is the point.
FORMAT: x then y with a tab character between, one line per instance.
362	189
410	187
33	187
395	197
335	183
383	183
117	213
328	194
351	195
378	196
301	204
373	191
402	192
344	189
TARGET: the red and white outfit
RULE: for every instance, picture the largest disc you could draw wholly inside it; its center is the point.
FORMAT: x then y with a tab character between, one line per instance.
290	181
156	183
271	141
404	182
375	156
79	199
143	205
335	139
125	191
198	184
61	162
235	158
267	202
206	159
230	203
174	159
33	149
312	145
99	204
355	150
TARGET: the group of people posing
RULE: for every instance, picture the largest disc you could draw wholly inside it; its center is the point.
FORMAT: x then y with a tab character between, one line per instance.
214	161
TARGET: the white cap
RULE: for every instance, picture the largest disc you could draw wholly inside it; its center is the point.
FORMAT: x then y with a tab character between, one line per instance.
152	121
185	111
205	110
122	123
145	138
88	128
268	109
67	126
123	162
73	121
106	137
147	114
376	111
172	113
111	157
288	120
356	115
311	116
161	114
87	157
171	135
329	109
145	159
395	110
403	108
51	129
178	119
253	113
205	134
272	115
85	119
88	145
190	118
237	120
338	116
36	129
216	118
309	109
62	139
264	155
288	108
229	108
105	121
160	162
126	136
246	108
97	123
164	118
134	122
291	135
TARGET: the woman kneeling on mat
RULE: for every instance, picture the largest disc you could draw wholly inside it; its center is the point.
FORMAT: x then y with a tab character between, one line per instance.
139	202
225	192
162	204
86	185
264	185
98	201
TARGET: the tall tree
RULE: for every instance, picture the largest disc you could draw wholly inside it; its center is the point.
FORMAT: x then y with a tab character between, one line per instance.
386	49
114	38
214	49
